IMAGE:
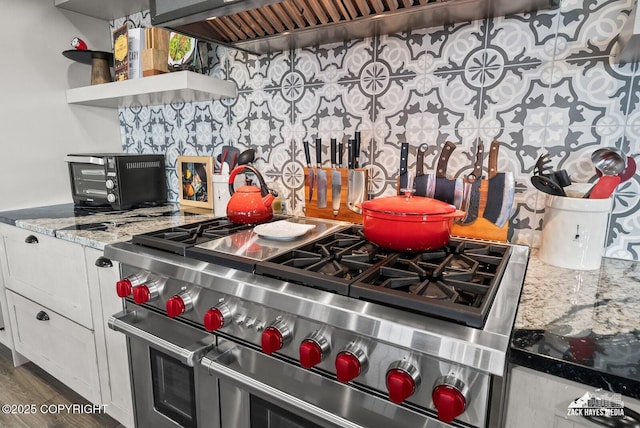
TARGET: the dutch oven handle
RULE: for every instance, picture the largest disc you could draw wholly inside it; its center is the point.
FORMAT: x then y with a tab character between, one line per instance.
264	190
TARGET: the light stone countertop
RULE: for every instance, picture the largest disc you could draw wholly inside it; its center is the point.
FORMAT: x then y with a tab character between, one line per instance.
96	229
581	325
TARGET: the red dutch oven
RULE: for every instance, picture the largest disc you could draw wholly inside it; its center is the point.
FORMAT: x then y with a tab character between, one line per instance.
406	223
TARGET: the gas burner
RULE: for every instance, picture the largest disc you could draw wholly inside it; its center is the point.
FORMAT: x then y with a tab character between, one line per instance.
330	263
456	282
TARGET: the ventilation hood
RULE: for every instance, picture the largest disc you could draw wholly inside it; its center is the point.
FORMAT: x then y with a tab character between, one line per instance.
629	38
270	26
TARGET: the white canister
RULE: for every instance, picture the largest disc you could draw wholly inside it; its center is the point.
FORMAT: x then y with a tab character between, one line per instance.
221	194
574	232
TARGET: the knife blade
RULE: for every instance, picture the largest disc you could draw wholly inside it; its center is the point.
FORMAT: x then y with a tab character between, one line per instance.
421	181
404	154
336	178
509	195
355	179
311	172
322	176
472	187
495	186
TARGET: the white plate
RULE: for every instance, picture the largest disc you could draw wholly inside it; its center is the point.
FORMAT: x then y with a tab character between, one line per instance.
282	230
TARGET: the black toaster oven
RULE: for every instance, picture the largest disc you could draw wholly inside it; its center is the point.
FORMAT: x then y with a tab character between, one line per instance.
121	180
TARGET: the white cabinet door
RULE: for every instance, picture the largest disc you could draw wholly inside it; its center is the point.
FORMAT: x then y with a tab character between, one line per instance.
537	399
113	361
61	347
49	271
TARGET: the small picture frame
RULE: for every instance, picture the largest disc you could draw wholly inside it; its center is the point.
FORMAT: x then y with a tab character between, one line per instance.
194	175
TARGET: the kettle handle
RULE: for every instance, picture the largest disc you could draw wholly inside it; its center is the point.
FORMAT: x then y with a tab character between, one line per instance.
264	190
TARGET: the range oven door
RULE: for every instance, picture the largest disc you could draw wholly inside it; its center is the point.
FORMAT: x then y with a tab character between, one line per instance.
258	391
170	389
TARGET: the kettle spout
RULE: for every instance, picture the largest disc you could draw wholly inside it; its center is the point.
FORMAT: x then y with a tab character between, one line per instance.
268	200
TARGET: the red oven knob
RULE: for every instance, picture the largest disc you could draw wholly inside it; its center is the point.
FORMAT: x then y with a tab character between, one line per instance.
448	398
179	304
275	337
350	363
402	380
125	285
141	294
147	292
123	288
313	349
216	317
175	306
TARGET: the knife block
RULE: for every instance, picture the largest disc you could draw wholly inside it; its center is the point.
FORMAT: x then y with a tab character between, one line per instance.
481	228
344	214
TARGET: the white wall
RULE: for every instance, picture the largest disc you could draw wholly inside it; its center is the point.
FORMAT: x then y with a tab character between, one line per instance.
37	127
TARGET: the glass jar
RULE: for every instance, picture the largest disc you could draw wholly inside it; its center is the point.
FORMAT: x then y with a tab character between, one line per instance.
279	205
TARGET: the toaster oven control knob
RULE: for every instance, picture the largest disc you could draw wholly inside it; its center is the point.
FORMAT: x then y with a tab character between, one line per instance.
275	337
110	184
350	363
216	317
146	292
402	380
179	304
449	398
313	349
111	197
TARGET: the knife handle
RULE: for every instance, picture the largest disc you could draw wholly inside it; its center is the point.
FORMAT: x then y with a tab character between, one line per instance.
350	145
356	150
493	158
422	150
443	159
307	156
340	150
404	155
477	166
319	152
334	149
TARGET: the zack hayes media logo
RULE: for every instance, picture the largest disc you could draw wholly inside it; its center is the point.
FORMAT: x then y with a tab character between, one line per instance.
597	404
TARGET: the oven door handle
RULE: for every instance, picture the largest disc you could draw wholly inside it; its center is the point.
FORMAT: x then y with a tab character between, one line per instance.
187	345
219	362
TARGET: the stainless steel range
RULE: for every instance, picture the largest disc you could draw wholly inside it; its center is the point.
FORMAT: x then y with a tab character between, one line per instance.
229	328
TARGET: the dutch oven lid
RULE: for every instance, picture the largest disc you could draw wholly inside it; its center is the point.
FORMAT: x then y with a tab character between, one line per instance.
403	205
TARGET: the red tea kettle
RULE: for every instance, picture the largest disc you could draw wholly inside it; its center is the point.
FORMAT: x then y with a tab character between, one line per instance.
249	204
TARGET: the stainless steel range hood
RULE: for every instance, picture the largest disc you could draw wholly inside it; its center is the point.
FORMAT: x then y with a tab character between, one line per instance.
629	38
268	26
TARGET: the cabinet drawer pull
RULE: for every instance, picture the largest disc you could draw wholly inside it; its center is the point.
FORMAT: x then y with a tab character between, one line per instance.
42	316
31	239
103	262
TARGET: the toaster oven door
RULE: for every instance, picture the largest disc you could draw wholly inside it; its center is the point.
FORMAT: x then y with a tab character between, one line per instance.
88	180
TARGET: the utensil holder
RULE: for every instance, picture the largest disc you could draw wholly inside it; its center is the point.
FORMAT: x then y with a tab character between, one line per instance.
221	194
574	232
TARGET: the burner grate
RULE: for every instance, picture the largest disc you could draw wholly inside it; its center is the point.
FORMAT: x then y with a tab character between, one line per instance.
457	282
330	263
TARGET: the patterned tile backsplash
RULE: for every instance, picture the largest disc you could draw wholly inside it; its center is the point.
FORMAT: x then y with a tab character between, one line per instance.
544	82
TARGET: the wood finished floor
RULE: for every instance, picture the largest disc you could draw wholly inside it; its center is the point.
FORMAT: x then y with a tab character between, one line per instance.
29	384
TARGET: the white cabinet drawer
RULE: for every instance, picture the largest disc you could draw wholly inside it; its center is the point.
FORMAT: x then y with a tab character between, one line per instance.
61	347
49	271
